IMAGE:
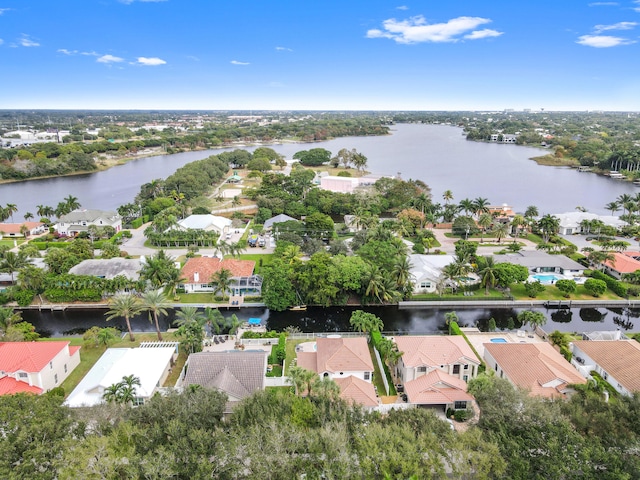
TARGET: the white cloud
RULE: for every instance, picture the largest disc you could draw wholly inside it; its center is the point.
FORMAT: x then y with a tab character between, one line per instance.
109	59
603	41
67	52
615	26
26	41
2	10
150	61
417	30
485	33
236	62
284	49
402	7
603	4
1	41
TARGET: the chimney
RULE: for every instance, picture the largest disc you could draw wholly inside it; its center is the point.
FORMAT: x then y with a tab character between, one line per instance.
196	277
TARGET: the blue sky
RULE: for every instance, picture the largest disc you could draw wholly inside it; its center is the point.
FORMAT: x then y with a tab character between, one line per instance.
320	55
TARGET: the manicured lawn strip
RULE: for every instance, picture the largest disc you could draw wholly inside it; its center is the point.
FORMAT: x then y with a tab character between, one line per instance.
198	297
176	370
290	349
377	376
532	237
477	295
260	259
9	243
552	293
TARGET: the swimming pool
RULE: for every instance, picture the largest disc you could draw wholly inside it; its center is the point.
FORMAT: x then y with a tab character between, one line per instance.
547	278
498	340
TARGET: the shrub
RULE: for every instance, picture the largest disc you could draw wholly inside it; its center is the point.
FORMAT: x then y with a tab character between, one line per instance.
137	223
462	415
24	297
614	285
4	298
533	288
56	392
595	287
566	353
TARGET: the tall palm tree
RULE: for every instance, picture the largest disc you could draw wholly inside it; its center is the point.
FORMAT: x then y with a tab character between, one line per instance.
481	205
326	388
487	271
600	257
531	212
155	303
500	230
28	216
467	206
373	282
516	222
222	280
296	379
447	196
41	210
402	273
11	208
188	315
125	306
484	221
548	225
71	202
7	318
613	207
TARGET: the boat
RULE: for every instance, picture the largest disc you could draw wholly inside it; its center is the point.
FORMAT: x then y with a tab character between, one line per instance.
298	308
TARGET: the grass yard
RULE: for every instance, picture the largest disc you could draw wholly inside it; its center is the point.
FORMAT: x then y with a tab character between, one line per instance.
195	297
260	259
460	296
9	243
290	348
552	293
377	376
176	370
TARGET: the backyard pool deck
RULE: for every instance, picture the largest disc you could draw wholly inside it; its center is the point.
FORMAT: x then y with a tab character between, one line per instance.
478	338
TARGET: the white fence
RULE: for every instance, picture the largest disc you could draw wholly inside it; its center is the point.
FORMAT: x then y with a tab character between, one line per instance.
387	407
259	341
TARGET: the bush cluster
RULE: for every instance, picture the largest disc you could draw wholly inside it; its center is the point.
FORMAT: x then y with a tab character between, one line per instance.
60	295
614	285
278	352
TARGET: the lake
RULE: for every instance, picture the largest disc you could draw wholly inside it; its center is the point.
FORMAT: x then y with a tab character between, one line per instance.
439	155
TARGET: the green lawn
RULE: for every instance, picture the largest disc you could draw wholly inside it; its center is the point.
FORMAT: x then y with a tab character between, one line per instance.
260	259
477	295
290	348
90	355
377	376
9	243
552	293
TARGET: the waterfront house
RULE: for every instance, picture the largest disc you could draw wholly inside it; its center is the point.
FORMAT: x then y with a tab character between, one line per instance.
35	367
238	374
207	222
422	354
426	271
337	357
536	367
572	222
538	261
109	268
150	363
79	220
268	224
355	391
197	273
339	184
616	361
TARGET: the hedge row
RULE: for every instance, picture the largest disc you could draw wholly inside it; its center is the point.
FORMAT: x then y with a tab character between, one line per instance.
614	285
60	295
278	352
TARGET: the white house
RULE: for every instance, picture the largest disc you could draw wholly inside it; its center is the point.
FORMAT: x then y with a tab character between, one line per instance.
15	230
339	184
150	363
207	223
570	222
35	367
79	220
616	361
426	271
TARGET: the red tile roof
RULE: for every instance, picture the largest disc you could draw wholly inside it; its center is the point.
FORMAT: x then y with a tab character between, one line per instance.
10	386
623	264
207	266
358	391
436	388
28	356
15	227
434	350
619	358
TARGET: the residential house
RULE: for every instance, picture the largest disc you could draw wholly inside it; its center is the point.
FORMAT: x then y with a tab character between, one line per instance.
339	184
208	223
197	273
15	230
570	223
348	362
438	389
536	367
109	268
616	361
621	264
538	261
422	354
426	271
79	220
35	367
238	374
150	363
268	224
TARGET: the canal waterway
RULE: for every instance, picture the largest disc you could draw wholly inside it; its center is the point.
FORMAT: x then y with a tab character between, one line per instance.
439	155
336	319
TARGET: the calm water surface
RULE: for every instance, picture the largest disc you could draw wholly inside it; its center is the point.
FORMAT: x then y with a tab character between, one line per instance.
437	154
336	319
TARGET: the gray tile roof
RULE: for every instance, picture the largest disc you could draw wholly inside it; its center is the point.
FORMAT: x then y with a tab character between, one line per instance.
538	259
89	216
109	268
236	373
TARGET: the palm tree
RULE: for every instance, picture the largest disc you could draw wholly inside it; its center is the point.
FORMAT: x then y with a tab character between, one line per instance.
125	306
326	388
111	393
11	208
487	271
447	196
188	315
402	273
28	216
517	222
374	282
531	212
500	230
41	210
7	318
484	221
295	378
11	262
222	280
548	225
600	257
481	205
613	207
155	302
106	335
467	206
71	202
